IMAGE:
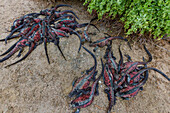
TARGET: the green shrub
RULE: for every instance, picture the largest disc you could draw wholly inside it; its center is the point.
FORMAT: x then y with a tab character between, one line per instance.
139	16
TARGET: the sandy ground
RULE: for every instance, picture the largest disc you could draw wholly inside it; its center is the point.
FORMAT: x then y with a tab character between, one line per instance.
34	86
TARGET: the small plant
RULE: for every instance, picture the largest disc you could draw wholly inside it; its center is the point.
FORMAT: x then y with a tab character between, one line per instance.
139	16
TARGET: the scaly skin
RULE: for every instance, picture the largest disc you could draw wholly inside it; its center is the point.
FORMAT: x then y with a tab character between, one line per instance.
104	41
150	68
107	76
11	37
109	82
43	34
35	38
132	89
33	28
22	32
13	46
135	83
30	28
66	16
56	15
111	98
21	29
60	14
52	34
112	63
31	40
14	49
69	30
26	55
32	17
131	66
47	11
129	91
20	45
67	21
12	32
136	79
85	32
110	59
75	25
84	81
60	33
86	99
121	60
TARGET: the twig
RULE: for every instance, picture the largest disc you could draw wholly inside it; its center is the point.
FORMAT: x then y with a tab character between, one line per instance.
101	108
162	48
30	72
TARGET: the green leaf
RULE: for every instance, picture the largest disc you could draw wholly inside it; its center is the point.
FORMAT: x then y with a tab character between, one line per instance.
138	15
